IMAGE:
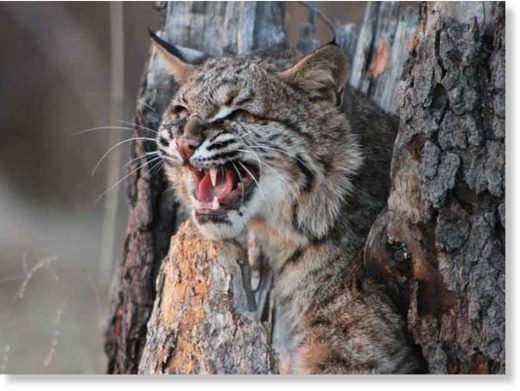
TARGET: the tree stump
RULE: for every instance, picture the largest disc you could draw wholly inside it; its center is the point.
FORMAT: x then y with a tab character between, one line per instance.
204	319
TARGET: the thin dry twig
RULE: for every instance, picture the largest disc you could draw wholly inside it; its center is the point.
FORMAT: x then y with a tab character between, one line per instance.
323	17
29	274
26	277
58	322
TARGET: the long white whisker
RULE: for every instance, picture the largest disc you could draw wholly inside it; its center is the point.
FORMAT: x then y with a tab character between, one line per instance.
102	128
267	165
126	176
279	150
245	134
241	181
139	126
146	104
170	159
155	169
253	177
117	145
256	157
276	172
141	157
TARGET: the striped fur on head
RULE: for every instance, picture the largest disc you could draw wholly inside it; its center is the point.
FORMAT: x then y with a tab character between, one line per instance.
271	122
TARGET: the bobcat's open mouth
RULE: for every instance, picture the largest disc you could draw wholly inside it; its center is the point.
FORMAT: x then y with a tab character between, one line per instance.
222	188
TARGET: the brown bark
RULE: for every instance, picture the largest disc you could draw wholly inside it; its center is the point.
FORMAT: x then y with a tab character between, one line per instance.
204	319
440	242
438	245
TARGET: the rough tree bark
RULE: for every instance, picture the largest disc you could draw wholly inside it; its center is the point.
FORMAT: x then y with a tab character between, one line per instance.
439	243
204	318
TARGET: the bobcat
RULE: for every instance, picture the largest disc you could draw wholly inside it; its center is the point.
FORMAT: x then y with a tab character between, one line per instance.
276	144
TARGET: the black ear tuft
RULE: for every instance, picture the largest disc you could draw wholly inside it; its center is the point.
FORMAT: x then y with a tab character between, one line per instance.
180	69
166	45
334	41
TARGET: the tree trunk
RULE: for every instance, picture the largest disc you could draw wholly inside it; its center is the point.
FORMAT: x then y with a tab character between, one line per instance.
438	245
440	242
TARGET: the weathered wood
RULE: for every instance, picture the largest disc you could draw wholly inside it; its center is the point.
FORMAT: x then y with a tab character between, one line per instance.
220	27
307	39
204	318
381	51
440	242
347	39
214	28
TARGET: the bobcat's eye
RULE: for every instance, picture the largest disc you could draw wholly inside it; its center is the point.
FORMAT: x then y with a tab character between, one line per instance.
243	116
180	111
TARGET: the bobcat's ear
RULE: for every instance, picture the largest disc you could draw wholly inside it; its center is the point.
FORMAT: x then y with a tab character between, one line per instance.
180	61
322	73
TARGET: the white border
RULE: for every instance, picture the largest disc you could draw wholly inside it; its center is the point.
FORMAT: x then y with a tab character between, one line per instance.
381	382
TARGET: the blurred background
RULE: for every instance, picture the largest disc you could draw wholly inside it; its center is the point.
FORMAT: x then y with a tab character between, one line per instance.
67	68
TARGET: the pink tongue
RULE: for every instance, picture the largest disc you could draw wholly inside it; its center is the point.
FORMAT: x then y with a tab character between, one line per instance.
206	191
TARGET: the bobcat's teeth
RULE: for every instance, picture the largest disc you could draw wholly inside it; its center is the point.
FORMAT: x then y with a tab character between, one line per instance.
215	204
213	176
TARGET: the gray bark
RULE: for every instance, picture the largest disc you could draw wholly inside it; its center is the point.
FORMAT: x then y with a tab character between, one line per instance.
440	242
381	50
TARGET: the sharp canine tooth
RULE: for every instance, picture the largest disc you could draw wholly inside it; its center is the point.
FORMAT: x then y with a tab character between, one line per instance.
215	204
213	176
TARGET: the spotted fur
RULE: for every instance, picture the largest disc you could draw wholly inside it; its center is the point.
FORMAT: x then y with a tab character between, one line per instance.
323	177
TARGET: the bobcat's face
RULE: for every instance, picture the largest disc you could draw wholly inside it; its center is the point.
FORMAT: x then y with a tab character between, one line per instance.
222	147
240	142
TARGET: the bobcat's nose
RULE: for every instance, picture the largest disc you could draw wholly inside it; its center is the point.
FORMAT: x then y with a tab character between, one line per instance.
186	147
191	138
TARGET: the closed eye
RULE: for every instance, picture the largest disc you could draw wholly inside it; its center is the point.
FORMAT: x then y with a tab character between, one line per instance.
180	111
242	116
227	113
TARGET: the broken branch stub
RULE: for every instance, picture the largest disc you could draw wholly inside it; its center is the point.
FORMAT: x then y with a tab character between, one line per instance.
204	320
